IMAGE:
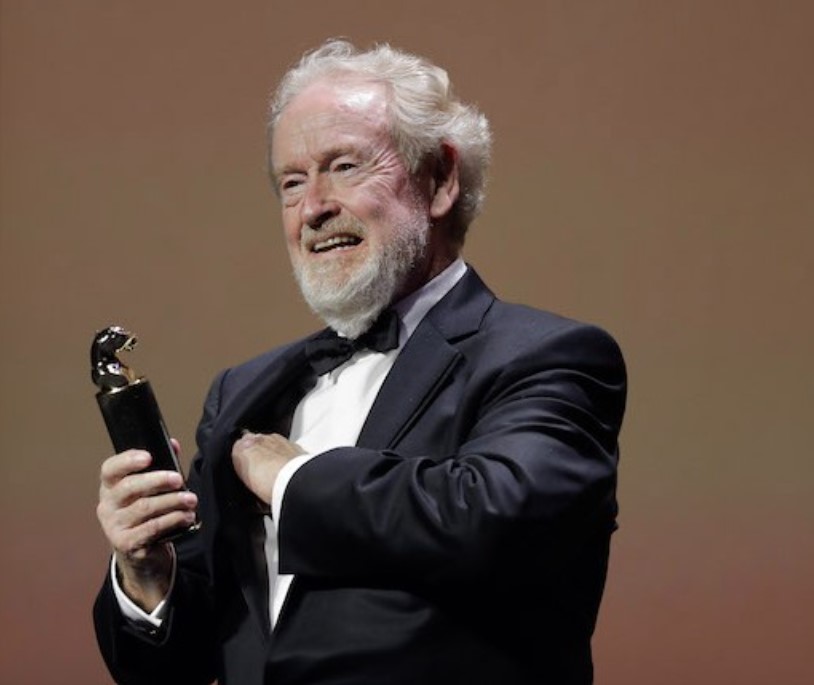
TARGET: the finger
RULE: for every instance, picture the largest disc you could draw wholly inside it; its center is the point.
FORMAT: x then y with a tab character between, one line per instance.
117	522
176	447
140	485
154	507
120	465
138	539
247	441
270	444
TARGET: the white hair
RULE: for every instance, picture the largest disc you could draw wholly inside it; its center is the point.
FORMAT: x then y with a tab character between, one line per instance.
423	109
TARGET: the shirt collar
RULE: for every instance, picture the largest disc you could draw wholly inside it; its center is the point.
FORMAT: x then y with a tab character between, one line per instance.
413	308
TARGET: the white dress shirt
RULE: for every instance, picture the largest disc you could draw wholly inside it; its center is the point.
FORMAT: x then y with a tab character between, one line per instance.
330	415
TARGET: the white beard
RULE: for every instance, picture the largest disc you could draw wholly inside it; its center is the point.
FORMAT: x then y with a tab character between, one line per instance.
351	304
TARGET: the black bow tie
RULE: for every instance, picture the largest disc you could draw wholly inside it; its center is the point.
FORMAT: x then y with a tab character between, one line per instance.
329	350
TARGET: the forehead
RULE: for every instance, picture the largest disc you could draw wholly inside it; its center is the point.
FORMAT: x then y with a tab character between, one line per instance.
330	113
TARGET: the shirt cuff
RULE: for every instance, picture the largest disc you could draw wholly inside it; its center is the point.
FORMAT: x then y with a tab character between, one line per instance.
278	491
130	609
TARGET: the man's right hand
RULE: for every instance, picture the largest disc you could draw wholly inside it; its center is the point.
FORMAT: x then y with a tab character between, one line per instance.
137	509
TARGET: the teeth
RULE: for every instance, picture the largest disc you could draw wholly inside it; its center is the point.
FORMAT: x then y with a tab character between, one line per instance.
336	241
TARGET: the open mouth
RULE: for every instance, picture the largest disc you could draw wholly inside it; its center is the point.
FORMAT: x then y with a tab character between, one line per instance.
337	242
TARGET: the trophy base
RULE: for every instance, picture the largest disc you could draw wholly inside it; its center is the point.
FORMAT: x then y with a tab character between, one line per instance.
181	533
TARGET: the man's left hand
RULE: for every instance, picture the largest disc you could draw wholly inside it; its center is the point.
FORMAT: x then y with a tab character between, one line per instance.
258	458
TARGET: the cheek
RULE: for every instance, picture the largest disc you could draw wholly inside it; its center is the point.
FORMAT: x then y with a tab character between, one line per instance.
381	205
291	228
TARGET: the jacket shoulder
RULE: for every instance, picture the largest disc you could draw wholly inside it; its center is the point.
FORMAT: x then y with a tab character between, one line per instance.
535	324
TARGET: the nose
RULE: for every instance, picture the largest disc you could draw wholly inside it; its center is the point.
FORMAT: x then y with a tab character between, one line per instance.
319	204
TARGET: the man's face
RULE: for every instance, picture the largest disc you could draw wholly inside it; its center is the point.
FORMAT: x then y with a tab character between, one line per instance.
356	221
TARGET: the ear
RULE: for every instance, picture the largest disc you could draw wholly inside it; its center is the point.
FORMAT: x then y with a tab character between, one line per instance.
445	186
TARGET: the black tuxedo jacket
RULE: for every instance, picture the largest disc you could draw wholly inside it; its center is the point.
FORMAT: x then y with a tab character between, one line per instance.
463	540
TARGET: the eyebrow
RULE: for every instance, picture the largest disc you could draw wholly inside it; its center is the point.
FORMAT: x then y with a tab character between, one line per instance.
277	174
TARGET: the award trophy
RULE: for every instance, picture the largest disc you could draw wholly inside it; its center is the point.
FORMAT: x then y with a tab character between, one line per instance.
128	404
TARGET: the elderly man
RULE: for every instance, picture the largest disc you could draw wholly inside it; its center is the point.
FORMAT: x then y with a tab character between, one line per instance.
422	493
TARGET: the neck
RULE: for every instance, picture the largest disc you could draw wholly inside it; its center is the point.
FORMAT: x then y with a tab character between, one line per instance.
440	253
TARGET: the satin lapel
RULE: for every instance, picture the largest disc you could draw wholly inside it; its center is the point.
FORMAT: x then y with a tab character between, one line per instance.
264	405
426	361
415	378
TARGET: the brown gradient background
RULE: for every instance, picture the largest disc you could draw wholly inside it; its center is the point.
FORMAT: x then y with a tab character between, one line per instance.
653	172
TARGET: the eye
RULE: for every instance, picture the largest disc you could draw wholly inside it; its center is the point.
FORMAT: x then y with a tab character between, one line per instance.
342	167
290	183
